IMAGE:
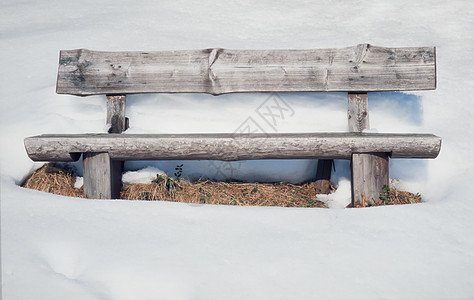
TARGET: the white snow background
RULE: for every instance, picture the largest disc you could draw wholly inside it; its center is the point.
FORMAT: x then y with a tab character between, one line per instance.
55	247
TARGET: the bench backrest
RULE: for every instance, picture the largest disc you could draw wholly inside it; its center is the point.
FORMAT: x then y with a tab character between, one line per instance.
362	68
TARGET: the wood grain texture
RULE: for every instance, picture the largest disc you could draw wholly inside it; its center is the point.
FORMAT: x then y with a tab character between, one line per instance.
357	112
102	176
370	172
231	147
116	113
218	71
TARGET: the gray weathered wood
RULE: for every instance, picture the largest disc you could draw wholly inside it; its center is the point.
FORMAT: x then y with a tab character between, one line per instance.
357	112
369	171
217	71
102	176
116	113
231	147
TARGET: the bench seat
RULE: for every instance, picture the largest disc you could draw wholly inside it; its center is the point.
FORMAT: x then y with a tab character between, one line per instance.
230	147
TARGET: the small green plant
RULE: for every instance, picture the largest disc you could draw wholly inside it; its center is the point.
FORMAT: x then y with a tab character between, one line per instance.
170	183
206	198
385	196
394	196
254	190
310	202
145	196
178	171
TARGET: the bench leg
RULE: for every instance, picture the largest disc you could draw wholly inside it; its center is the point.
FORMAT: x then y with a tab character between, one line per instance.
370	172
102	176
323	176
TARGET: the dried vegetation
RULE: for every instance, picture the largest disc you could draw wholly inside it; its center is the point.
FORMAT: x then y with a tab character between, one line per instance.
60	179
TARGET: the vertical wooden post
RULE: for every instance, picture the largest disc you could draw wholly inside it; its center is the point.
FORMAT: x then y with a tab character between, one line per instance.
116	113
358	112
369	175
102	175
323	176
369	171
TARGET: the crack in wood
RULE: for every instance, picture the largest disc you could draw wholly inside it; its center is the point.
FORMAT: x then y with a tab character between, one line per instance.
361	53
213	56
326	79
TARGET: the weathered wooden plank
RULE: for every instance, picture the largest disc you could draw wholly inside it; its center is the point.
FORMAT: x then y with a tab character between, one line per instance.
357	112
102	176
217	71
369	171
116	113
231	147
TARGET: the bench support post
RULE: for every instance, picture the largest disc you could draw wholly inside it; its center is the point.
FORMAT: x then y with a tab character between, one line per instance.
323	176
102	176
369	171
369	175
116	113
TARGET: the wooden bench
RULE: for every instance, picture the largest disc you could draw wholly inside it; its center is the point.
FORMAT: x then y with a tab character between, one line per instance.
356	70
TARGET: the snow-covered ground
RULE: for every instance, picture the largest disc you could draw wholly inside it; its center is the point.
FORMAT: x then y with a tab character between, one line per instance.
54	247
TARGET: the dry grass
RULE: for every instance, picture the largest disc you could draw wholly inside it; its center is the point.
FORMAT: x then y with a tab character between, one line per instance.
56	179
59	179
393	196
228	193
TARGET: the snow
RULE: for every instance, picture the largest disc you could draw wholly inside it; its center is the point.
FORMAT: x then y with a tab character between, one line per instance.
145	175
79	182
56	247
339	198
